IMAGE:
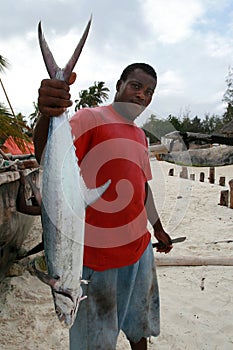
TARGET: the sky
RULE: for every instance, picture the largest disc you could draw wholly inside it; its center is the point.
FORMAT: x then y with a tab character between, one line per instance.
188	42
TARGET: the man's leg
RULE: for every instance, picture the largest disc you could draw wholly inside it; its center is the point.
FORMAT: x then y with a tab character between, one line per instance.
141	345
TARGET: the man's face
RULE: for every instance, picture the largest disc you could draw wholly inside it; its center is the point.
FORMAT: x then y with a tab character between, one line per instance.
136	91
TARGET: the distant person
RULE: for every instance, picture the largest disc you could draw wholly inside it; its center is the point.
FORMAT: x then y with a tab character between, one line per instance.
29	209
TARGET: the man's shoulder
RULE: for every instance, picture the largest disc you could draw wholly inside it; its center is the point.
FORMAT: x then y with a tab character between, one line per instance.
91	112
90	118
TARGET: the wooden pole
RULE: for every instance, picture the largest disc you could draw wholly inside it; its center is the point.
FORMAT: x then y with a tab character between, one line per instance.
212	175
193	261
224	198
231	193
202	177
184	172
222	181
171	172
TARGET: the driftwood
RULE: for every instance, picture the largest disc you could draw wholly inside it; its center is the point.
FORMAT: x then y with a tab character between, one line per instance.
215	156
189	137
193	261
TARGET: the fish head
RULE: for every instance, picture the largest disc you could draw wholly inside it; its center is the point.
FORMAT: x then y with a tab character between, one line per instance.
66	305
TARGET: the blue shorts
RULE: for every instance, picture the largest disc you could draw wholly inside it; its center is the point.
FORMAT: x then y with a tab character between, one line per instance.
124	299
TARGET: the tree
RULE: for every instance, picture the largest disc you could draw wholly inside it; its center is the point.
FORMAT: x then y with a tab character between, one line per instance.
93	96
3	63
155	128
228	95
34	116
196	125
13	126
211	124
175	122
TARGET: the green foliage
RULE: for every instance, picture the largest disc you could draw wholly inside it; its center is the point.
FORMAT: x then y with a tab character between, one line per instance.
93	96
156	128
211	124
228	95
11	125
3	63
14	126
34	116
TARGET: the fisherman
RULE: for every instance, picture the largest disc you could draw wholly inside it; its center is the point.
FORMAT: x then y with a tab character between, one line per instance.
30	209
118	255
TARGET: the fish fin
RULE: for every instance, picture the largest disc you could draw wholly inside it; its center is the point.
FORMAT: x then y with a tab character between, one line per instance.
91	195
49	60
71	63
35	269
84	281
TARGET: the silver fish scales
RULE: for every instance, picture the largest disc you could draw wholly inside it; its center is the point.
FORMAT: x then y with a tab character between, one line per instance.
64	199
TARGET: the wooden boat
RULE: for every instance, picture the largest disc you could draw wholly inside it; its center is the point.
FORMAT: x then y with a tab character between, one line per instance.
14	226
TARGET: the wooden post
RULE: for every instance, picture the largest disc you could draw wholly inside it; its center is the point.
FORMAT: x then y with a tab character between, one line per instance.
171	172
211	175
222	181
202	177
192	177
231	193
184	172
224	198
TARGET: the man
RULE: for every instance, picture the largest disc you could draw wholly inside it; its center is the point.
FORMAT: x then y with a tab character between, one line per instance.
118	256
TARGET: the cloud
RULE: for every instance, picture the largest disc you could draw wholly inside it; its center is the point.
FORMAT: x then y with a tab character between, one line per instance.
188	42
218	46
172	20
171	82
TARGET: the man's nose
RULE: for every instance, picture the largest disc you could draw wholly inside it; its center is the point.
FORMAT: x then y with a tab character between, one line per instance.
140	94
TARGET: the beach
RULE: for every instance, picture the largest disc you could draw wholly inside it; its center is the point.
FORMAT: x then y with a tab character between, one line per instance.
196	301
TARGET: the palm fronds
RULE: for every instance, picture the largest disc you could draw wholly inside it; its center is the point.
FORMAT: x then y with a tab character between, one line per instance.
13	126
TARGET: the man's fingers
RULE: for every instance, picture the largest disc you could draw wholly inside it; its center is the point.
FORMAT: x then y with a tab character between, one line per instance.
52	111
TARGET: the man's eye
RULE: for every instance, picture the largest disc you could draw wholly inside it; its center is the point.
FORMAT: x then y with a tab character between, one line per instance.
149	93
135	86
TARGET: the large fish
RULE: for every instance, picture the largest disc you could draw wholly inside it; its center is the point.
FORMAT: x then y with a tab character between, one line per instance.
64	198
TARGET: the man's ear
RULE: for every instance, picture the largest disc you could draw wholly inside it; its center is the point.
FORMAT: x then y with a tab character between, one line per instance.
72	78
118	85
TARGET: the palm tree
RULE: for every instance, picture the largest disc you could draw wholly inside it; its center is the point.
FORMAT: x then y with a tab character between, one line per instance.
10	124
3	63
34	116
93	96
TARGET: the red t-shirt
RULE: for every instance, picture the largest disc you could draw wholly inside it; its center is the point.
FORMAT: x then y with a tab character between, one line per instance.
110	147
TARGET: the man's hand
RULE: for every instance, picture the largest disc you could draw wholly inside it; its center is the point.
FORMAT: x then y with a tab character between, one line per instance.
54	96
164	242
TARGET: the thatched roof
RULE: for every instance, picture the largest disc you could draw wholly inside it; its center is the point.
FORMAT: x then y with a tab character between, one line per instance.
228	128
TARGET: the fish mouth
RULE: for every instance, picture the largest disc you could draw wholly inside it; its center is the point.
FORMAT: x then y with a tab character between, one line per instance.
66	305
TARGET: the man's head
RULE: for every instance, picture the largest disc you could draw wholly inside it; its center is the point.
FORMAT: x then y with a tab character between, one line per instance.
136	86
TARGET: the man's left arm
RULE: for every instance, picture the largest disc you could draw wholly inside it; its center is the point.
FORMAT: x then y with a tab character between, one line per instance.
163	238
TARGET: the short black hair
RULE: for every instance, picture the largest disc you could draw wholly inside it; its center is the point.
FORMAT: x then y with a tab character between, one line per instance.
143	66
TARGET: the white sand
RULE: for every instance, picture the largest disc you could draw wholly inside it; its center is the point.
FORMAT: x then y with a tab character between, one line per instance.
192	318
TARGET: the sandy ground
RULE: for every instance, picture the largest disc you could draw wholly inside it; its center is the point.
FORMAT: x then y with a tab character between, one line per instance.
196	302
